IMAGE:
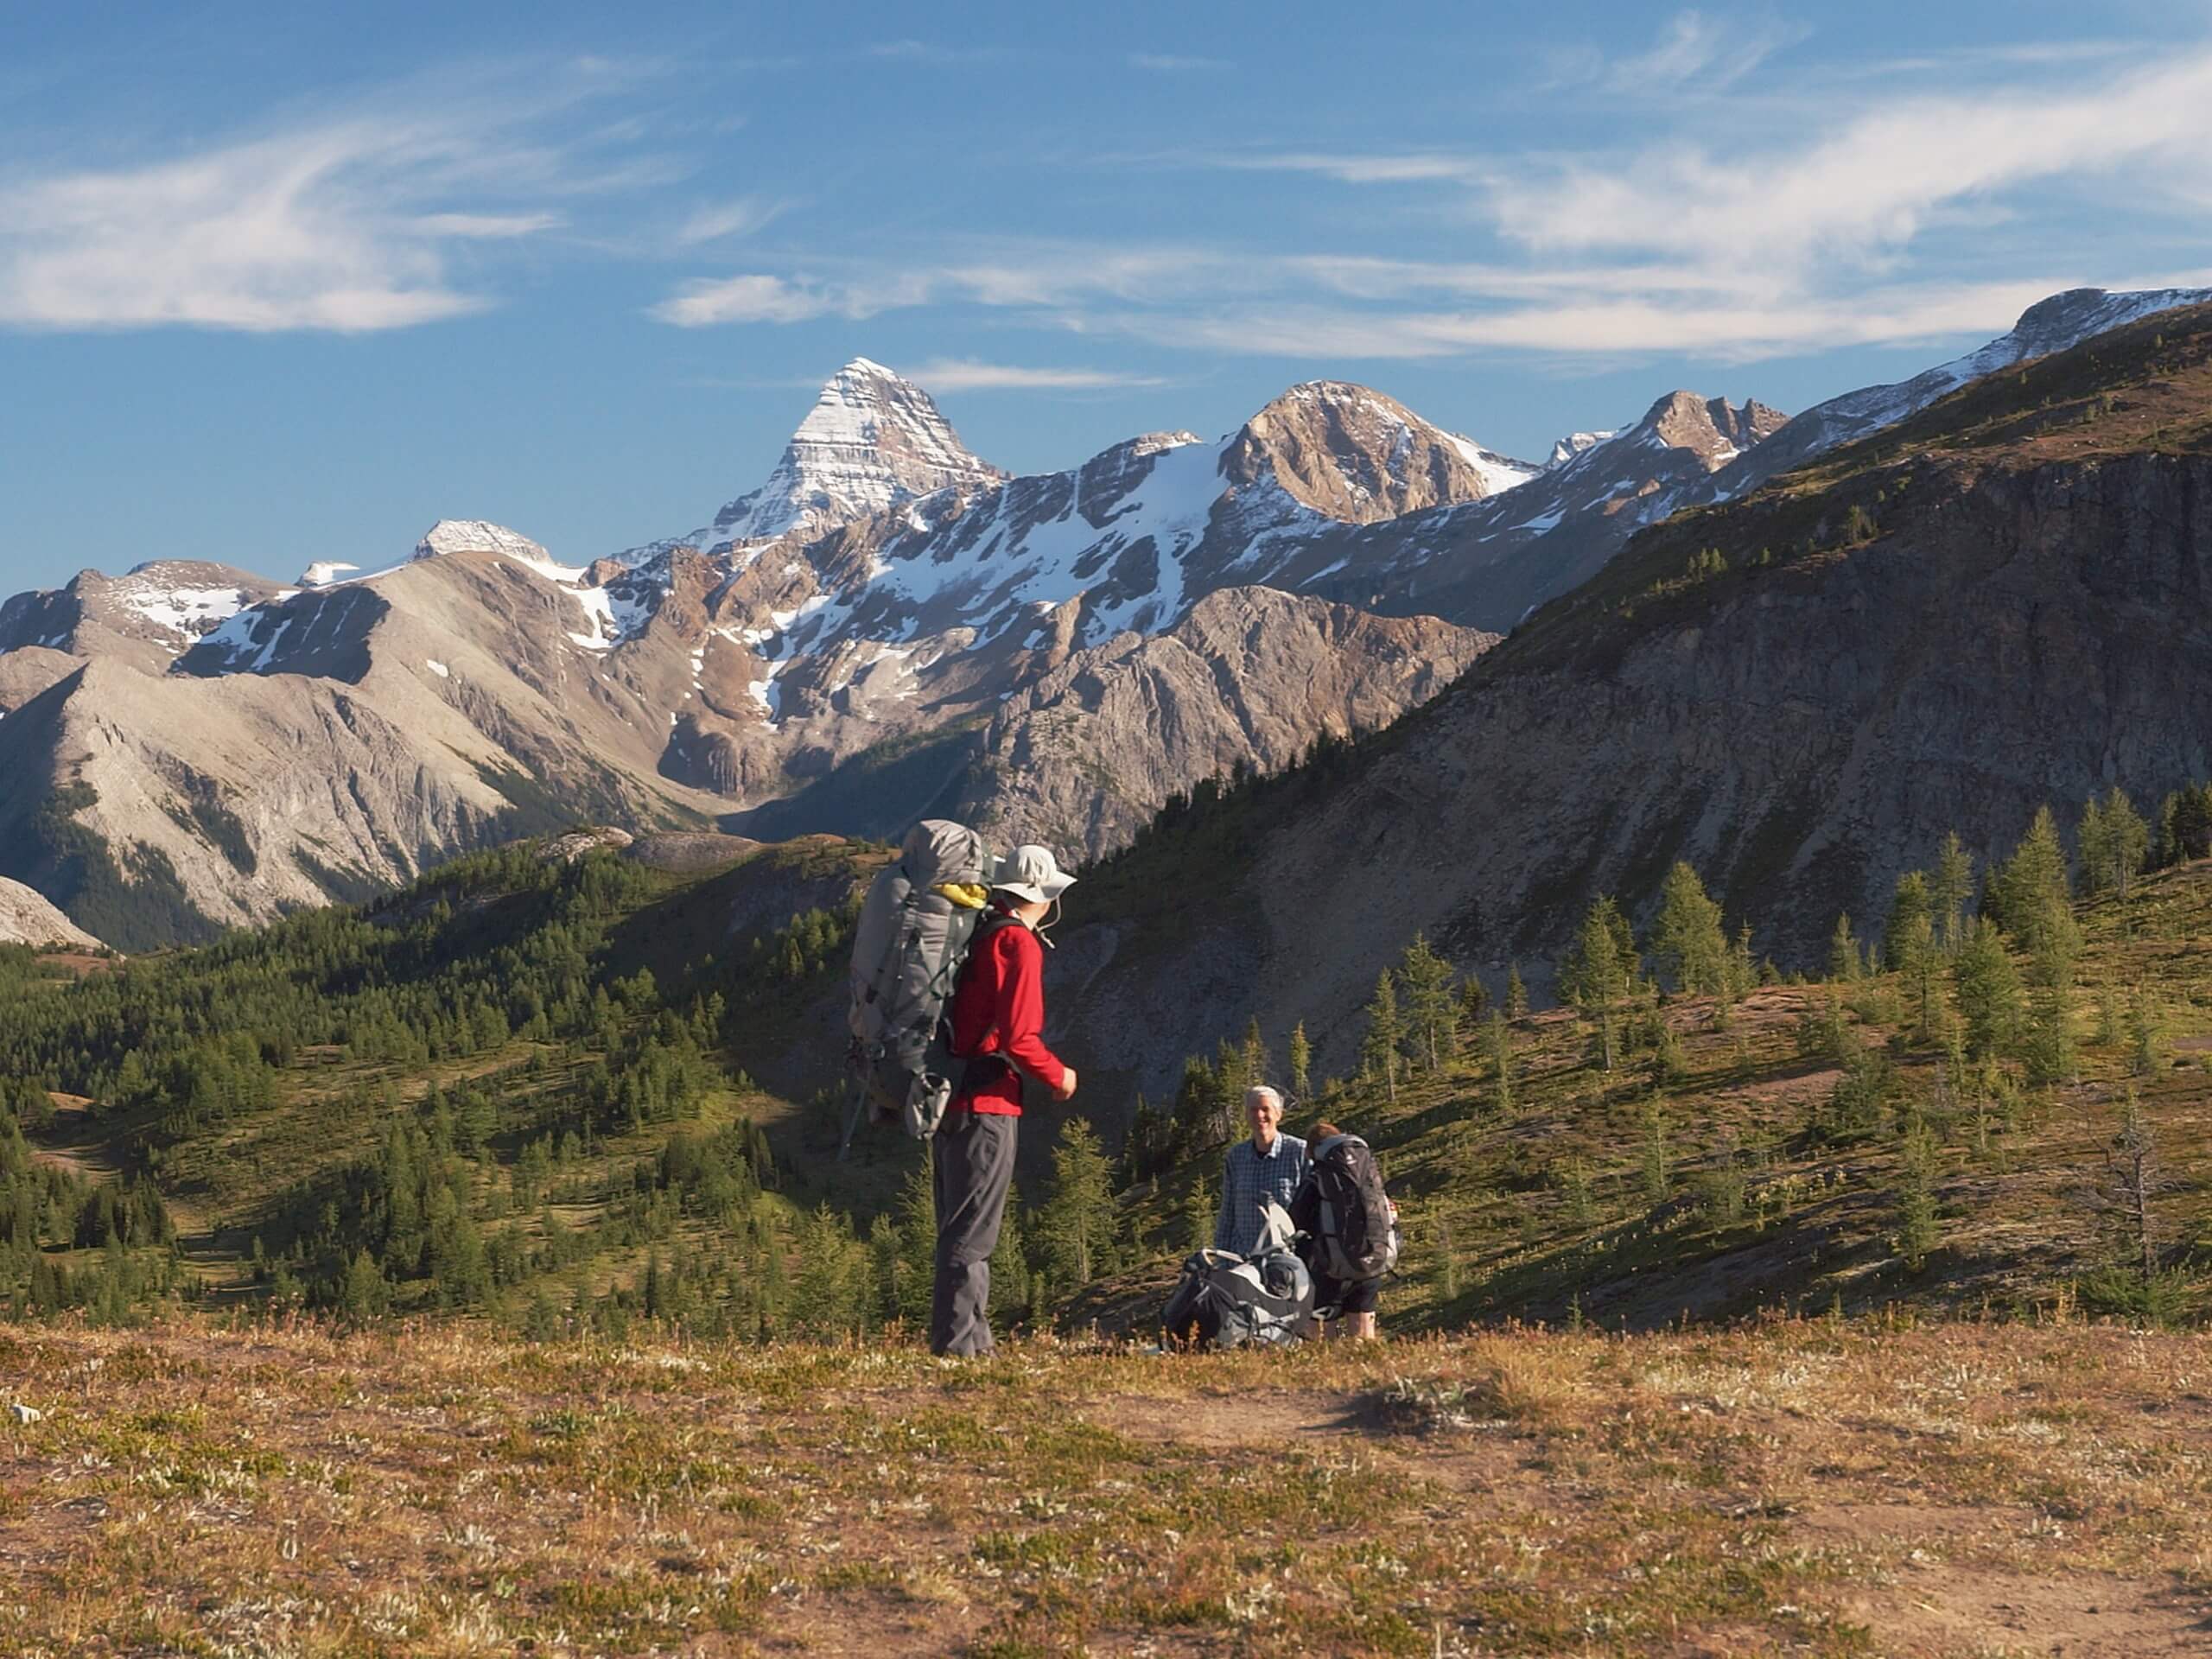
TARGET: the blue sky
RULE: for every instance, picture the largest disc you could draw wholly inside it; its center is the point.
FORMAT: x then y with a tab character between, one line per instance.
281	283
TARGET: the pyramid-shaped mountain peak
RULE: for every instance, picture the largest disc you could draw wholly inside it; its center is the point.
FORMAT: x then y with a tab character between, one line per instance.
873	439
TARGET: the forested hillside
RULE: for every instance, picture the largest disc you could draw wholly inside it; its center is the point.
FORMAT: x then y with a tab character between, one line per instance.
526	1088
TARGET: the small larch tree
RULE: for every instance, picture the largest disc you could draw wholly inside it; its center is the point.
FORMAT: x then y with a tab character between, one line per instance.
1592	978
1076	1226
1386	1034
1501	1060
2035	902
1688	944
1846	962
1988	987
2114	842
1948	890
1302	1062
1431	1020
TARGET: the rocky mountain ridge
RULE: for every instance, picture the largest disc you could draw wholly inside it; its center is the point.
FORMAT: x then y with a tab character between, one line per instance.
216	748
1998	603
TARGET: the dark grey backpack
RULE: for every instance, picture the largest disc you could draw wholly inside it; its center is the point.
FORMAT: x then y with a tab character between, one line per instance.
1352	1223
914	930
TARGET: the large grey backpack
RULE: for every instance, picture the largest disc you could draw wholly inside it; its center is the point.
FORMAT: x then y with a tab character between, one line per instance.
1227	1300
915	927
1341	1205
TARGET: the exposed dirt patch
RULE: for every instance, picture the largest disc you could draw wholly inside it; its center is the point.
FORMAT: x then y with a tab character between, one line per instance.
1940	1611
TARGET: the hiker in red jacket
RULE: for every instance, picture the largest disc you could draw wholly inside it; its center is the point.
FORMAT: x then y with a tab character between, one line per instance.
997	1016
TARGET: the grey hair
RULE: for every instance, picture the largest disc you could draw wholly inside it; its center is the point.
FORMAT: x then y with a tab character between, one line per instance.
1261	1092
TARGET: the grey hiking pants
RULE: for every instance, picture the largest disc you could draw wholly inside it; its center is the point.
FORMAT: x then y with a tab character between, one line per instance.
974	1154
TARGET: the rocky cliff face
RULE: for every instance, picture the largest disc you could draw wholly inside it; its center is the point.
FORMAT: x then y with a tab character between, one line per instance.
2031	621
26	918
1356	455
1248	680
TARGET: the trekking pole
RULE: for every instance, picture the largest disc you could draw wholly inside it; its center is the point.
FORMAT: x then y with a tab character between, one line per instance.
853	1117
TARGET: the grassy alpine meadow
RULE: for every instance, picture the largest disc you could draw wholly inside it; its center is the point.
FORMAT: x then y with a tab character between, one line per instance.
1802	1486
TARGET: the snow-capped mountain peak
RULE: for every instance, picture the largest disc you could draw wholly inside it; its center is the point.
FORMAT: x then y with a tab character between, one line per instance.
479	535
1575	443
873	441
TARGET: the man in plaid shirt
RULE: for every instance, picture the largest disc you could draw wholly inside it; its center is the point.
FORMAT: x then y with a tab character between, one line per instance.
1266	1169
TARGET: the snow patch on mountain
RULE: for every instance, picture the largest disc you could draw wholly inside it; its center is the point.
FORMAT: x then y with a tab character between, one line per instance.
1498	473
1576	443
187	613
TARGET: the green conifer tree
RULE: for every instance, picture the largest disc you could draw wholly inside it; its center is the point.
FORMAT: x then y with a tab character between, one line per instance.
917	1213
1917	1232
1012	1293
1592	978
1254	1062
1949	891
1517	994
2093	841
1386	1034
2115	845
1302	1062
1076	1224
365	1295
1431	1023
1988	987
2036	903
1910	932
1845	961
1909	948
1501	1061
1688	944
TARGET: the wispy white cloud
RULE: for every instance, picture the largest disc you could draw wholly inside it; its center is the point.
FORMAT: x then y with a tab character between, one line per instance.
1169	63
750	298
1728	330
1416	166
1874	185
965	374
715	220
1018	275
936	52
488	227
1695	52
340	223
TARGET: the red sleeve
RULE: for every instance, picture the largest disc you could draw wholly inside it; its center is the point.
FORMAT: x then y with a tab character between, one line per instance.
1018	1005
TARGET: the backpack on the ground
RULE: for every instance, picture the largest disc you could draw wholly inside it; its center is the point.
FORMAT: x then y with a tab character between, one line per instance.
915	930
1227	1300
1354	1225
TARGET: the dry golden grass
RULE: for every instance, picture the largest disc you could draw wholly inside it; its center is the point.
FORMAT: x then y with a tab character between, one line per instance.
1790	1488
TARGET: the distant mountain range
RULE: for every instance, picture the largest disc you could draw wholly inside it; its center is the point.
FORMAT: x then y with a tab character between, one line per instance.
1981	603
886	623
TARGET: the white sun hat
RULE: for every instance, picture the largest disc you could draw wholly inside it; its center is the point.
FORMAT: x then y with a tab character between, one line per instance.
1031	872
